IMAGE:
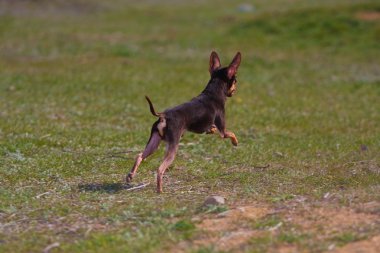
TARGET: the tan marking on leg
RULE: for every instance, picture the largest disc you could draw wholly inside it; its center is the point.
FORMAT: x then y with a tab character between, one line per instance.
169	158
161	126
134	168
160	172
212	130
232	136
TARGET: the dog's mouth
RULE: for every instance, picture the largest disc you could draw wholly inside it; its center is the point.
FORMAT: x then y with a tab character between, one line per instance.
231	92
232	88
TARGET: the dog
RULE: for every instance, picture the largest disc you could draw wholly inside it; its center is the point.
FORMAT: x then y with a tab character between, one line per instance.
203	114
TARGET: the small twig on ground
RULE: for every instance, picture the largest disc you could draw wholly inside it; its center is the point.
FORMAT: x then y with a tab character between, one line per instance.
356	162
42	194
246	164
45	136
51	246
115	156
88	232
109	153
275	227
138	187
120	152
262	167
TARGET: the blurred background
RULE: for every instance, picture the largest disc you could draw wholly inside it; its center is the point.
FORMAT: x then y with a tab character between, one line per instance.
82	65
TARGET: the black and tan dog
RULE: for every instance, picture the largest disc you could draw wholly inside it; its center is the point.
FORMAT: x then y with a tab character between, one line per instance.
204	113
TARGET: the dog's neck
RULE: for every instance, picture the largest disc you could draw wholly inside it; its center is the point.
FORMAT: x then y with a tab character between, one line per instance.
215	89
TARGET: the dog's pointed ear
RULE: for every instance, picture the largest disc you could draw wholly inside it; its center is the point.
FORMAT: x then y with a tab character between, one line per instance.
214	62
234	65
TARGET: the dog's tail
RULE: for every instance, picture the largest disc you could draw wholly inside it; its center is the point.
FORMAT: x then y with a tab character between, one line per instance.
152	108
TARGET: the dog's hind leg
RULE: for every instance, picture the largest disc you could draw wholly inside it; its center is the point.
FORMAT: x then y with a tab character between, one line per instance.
153	143
171	150
172	138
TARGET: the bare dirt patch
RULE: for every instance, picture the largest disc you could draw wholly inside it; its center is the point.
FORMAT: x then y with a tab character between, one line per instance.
226	231
285	249
367	246
226	241
368	15
232	230
330	220
235	239
232	219
372	207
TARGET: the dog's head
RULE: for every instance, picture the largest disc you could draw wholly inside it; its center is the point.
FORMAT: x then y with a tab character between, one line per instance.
226	75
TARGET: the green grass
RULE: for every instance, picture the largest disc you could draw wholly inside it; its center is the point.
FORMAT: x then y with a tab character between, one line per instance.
73	76
346	238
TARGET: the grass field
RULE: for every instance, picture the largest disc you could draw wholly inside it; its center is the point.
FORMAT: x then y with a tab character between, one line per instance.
304	178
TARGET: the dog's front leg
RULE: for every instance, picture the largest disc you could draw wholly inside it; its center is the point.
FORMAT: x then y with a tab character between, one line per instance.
212	129
232	137
221	126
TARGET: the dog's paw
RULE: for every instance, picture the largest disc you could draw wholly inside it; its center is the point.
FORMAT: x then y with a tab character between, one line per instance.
232	137
129	178
212	130
234	141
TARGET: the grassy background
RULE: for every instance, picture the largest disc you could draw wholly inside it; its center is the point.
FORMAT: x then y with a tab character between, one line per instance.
73	75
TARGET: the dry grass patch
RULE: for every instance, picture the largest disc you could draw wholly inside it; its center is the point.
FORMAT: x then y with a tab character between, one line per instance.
326	221
228	230
368	15
233	219
368	246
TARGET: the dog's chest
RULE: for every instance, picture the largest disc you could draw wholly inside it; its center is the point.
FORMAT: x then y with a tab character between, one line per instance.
200	123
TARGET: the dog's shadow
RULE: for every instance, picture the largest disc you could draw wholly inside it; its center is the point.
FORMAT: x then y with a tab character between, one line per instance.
104	187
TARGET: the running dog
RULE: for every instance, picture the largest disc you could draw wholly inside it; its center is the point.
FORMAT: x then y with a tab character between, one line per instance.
203	114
